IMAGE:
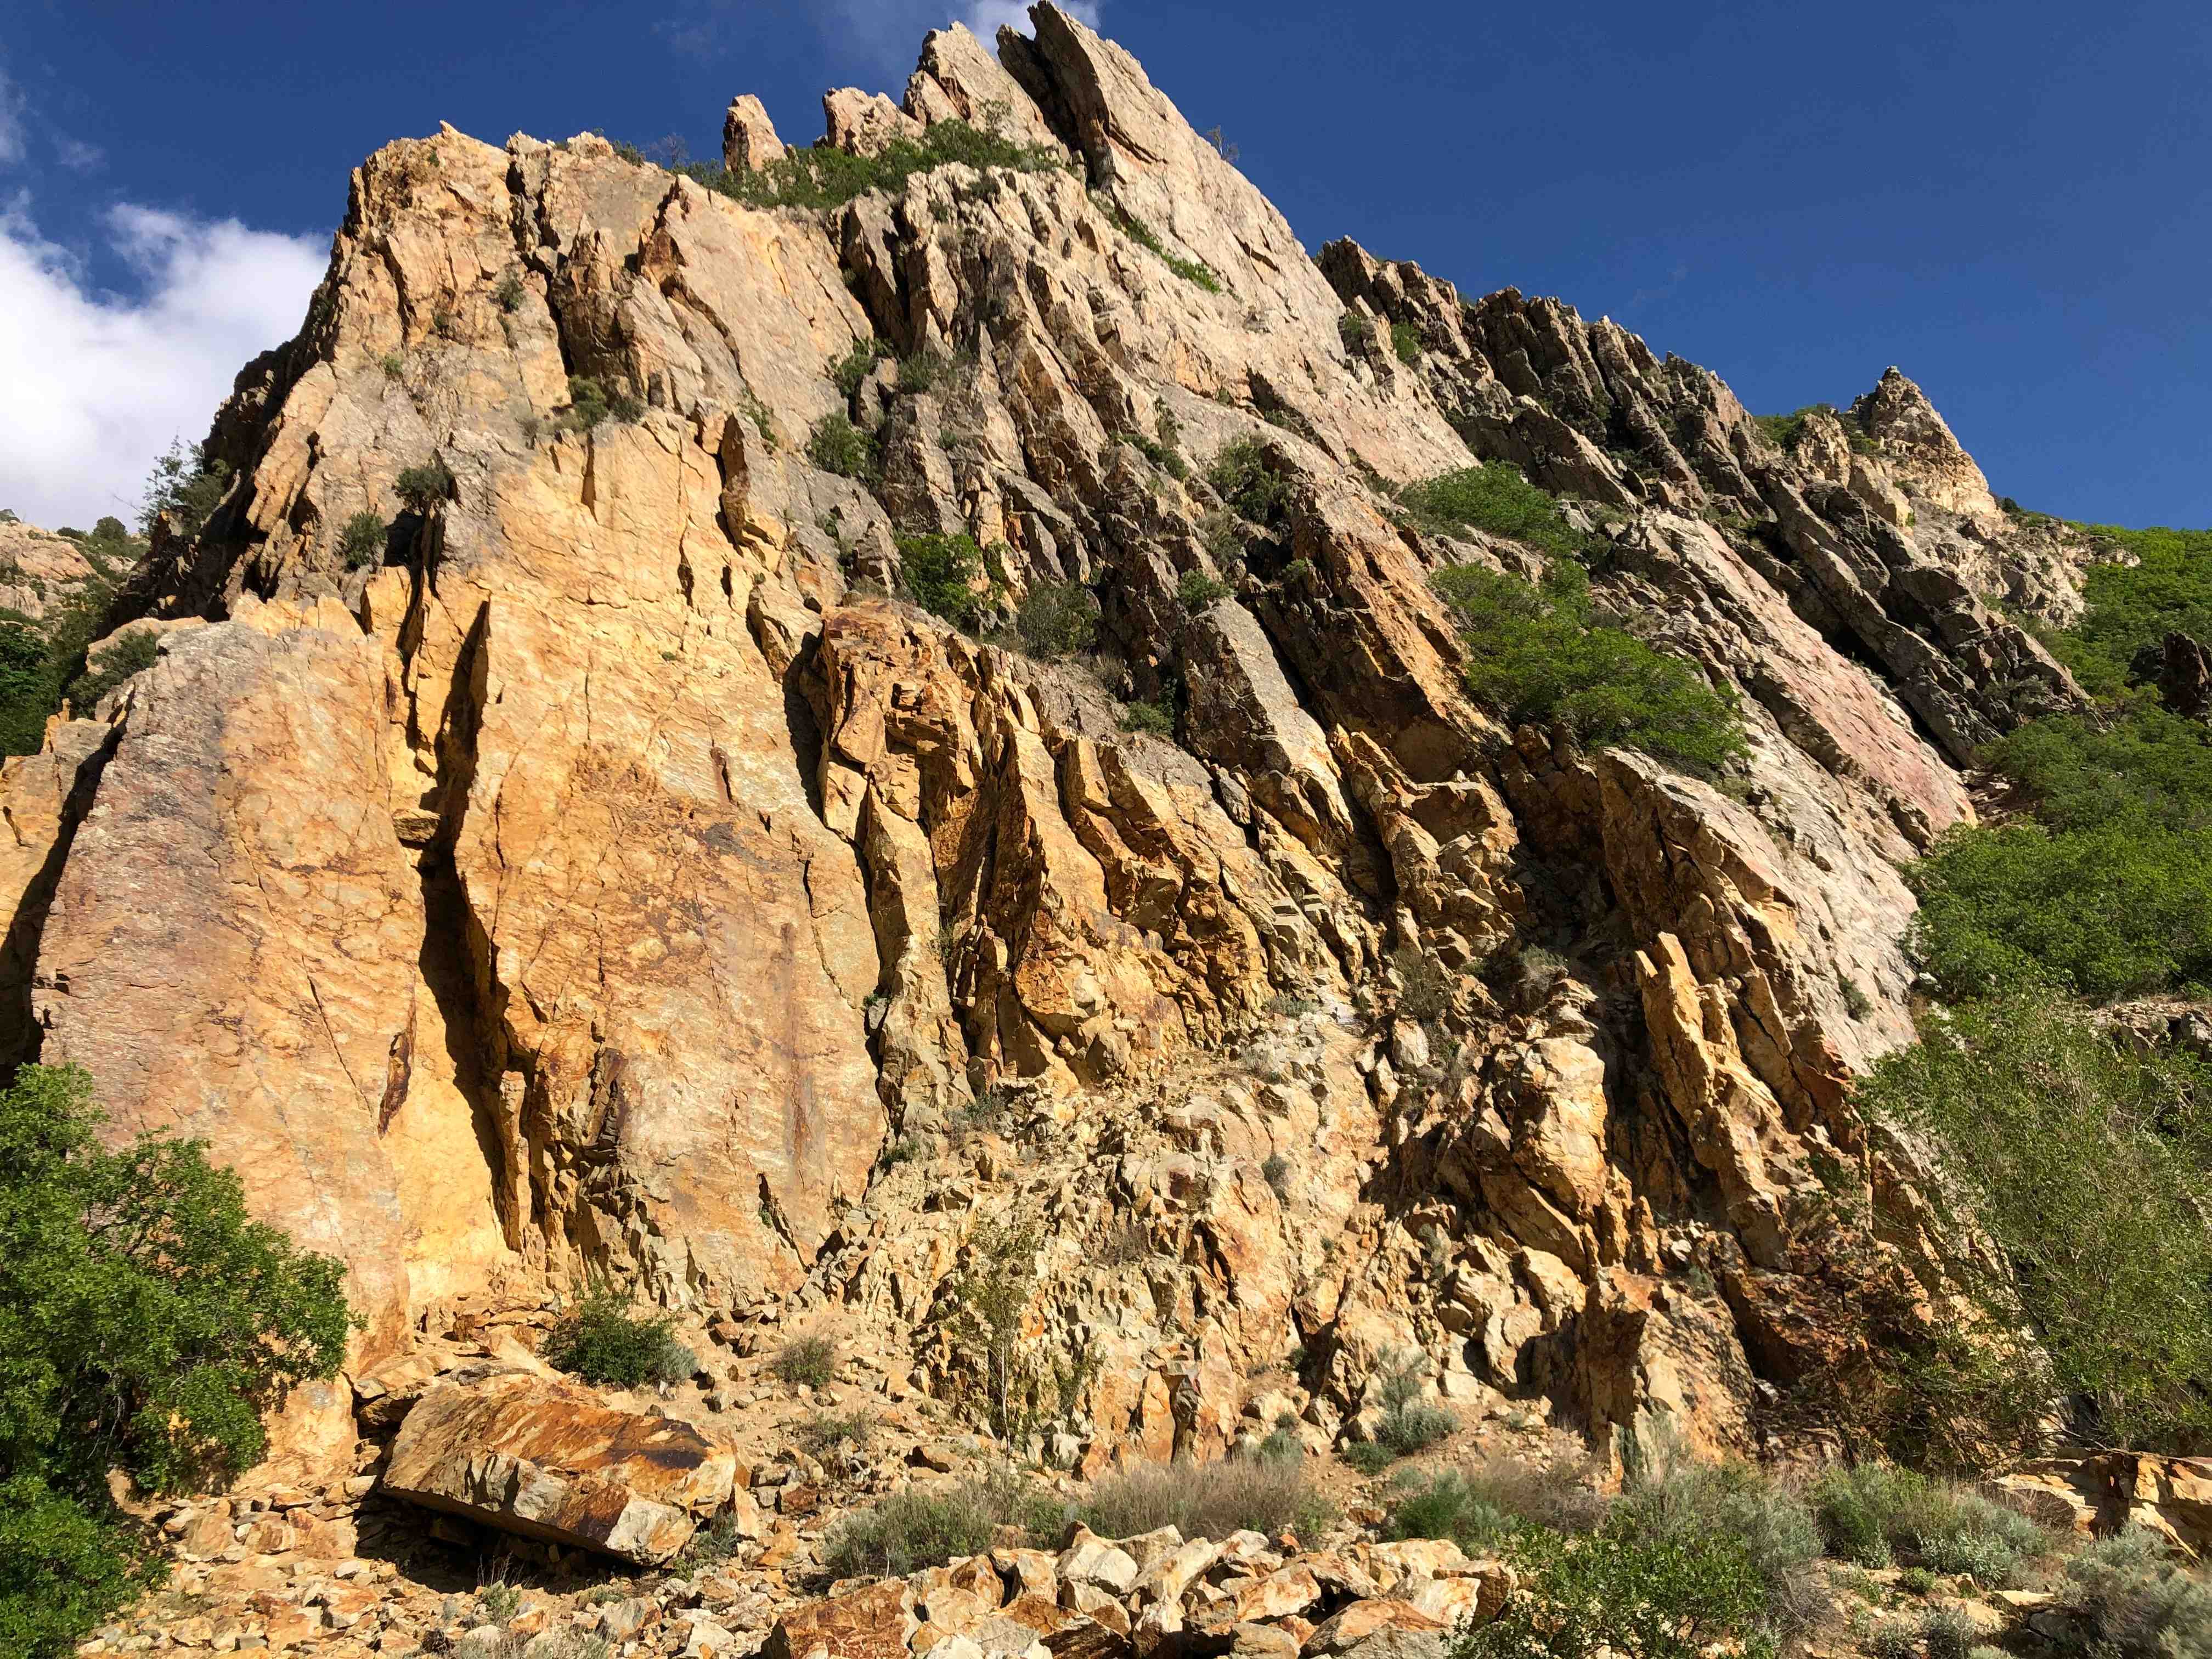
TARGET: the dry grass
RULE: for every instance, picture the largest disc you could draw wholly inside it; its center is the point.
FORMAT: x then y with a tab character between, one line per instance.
1208	1500
1544	1495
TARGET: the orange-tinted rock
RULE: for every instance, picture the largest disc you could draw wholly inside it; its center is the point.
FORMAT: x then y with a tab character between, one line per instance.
545	1460
871	1623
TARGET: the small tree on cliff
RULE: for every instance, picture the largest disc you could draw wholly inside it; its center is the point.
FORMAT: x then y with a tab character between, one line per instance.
145	1325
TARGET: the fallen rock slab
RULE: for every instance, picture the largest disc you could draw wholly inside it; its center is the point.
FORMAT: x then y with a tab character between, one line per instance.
871	1623
1384	1626
543	1458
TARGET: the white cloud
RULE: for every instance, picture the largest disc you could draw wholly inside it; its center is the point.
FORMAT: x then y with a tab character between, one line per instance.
98	383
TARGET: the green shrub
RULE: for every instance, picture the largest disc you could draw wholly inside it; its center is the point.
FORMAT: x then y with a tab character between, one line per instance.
940	574
590	404
2133	1601
1221	534
718	1541
498	1602
1163	455
601	1340
1197	590
1405	341
1368	1456
985	1299
764	421
64	1566
1537	1495
1448	1506
187	485
1408	1422
2137	762
1240	476
1276	1172
2169	590
1206	1500
148	1324
836	444
1156	717
1191	270
2116	909
509	292
361	540
1495	498
2086	1163
1782	431
393	363
1057	619
2106	896
1357	331
811	1361
913	1529
856	365
1895	1637
1536	656
1917	1581
1414	1427
922	371
1680	1500
1642	1598
826	177
1425	989
425	488
1968	1535
28	691
1856	1508
2166	1614
131	654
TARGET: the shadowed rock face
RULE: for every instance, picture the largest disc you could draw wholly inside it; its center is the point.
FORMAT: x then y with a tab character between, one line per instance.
604	879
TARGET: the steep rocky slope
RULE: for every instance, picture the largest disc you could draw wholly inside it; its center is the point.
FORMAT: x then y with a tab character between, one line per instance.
612	880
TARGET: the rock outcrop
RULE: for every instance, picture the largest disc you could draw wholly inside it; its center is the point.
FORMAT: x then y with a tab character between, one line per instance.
1246	1594
614	880
39	570
546	1459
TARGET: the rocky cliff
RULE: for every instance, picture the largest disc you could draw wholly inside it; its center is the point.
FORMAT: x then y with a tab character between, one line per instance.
609	877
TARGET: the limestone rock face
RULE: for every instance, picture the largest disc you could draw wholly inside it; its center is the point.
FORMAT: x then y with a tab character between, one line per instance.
38	569
1919	444
748	140
545	1460
617	880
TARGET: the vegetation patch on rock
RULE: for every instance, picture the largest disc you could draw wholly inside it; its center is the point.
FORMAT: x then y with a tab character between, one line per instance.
1496	499
1536	655
827	177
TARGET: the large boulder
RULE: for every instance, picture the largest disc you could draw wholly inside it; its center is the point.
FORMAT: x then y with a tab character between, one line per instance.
543	1458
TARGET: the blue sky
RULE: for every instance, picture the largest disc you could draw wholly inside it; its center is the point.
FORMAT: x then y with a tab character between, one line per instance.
2009	201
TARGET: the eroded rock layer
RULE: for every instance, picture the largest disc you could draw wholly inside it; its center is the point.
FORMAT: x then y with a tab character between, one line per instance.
611	879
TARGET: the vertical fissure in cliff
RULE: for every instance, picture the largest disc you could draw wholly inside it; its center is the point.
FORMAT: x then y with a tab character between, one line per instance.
21	1034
